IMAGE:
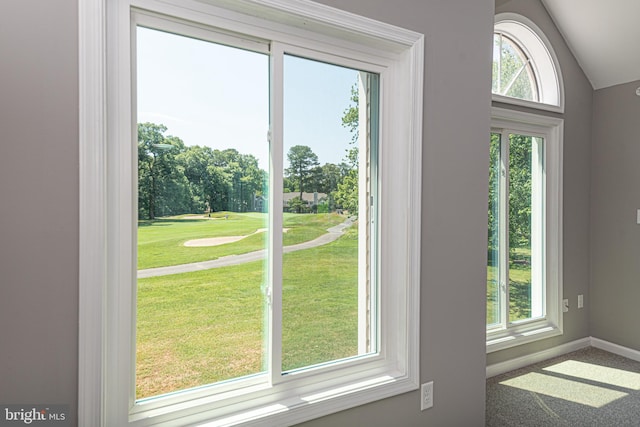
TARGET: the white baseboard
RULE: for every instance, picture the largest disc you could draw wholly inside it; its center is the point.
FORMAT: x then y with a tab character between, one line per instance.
616	349
521	362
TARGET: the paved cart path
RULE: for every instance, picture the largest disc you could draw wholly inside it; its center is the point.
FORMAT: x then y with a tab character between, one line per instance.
332	234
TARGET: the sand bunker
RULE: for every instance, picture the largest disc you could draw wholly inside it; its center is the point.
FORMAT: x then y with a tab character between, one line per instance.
215	241
212	241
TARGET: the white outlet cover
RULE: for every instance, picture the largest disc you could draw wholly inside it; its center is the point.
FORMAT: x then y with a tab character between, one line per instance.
426	396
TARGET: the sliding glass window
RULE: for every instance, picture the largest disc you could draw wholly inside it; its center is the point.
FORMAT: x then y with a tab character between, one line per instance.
246	271
515	279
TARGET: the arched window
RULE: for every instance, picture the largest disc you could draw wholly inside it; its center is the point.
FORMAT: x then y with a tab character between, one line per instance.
525	68
524	266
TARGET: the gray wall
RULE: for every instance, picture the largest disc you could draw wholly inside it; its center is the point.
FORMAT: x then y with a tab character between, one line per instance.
615	236
454	227
576	189
38	202
39	194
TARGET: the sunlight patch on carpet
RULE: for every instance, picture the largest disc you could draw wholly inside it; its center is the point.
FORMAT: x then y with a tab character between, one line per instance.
601	374
560	388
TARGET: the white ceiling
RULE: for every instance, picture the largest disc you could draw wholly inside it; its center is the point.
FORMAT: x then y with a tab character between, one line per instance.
604	36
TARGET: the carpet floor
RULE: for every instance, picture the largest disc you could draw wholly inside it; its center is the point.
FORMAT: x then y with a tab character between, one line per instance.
588	387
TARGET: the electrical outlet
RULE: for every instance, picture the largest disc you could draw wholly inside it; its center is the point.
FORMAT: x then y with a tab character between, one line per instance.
426	394
565	305
580	301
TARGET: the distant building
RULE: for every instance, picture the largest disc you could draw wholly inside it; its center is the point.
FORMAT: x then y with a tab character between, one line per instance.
259	203
310	199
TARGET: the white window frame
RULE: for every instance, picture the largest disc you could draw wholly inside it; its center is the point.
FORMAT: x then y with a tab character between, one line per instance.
544	62
551	324
107	217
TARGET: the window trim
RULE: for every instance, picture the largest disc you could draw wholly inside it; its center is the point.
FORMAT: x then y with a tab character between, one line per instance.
104	306
552	130
543	59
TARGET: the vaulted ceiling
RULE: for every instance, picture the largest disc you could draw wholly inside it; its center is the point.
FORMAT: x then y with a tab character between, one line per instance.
604	36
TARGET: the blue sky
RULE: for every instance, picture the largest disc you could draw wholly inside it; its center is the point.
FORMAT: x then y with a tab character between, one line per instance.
208	94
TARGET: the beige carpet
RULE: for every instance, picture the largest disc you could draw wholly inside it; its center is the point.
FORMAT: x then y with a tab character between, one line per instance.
589	387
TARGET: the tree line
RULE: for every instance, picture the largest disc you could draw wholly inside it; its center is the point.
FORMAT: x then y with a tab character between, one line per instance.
176	179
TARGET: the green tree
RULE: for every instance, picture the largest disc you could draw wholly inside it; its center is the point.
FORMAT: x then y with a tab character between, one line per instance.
216	188
302	161
350	120
520	151
327	179
162	186
243	180
195	160
297	205
330	175
351	114
288	185
520	175
346	194
175	179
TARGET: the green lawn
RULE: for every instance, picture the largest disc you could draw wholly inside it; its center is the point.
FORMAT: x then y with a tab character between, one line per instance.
203	327
198	328
320	303
519	289
161	242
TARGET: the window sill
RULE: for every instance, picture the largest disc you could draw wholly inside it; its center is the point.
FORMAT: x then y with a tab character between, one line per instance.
525	103
512	338
277	410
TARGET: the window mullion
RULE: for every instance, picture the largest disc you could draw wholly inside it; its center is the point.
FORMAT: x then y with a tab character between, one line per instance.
504	229
275	251
537	232
515	77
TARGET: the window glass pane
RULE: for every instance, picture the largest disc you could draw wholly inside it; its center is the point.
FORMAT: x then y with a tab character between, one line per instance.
512	74
202	158
523	86
329	131
520	226
493	265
